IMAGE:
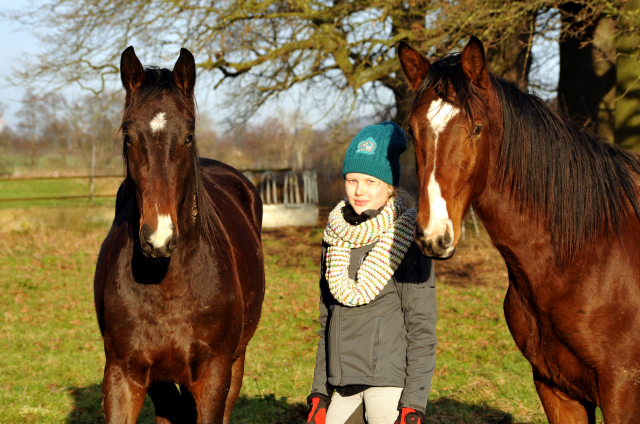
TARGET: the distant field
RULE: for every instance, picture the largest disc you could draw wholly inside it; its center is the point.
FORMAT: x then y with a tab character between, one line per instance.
51	352
59	187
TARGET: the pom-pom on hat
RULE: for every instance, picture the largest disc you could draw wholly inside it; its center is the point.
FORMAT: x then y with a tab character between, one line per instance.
376	151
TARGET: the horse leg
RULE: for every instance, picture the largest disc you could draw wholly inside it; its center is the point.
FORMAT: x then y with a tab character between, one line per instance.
620	399
122	396
171	405
562	409
211	390
237	372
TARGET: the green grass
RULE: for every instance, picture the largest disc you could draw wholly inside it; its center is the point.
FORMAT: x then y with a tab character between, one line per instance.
51	352
23	189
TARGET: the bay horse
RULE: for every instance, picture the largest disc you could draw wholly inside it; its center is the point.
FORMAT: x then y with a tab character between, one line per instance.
561	206
179	280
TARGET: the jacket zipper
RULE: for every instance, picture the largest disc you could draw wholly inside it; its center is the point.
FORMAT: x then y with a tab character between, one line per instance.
376	347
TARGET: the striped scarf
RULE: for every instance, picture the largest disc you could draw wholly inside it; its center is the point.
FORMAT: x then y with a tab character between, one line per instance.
391	230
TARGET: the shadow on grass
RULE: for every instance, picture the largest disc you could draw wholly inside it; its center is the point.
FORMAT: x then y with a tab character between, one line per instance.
267	409
445	410
87	408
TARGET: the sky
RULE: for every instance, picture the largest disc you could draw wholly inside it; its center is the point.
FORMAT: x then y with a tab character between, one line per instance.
17	42
14	43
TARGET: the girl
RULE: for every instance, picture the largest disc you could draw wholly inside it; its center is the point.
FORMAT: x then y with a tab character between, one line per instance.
377	344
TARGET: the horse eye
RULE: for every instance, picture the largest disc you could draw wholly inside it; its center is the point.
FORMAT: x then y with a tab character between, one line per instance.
477	129
189	139
127	140
410	131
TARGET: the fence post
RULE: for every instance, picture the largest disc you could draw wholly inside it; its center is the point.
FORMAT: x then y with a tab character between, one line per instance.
93	169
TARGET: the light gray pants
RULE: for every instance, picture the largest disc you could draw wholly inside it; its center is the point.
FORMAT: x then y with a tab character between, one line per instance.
380	405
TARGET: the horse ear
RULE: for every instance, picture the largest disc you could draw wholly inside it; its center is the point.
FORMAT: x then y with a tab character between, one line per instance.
184	72
474	64
131	71
414	65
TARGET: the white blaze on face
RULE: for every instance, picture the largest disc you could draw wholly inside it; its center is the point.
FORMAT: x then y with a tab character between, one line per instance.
158	122
439	115
163	233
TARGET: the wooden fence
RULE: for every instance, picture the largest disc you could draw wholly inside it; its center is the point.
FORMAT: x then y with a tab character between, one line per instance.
90	195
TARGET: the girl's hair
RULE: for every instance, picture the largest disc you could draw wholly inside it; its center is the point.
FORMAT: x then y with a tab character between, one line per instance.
407	199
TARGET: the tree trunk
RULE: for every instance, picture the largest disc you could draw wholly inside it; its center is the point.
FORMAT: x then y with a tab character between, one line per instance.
404	100
586	85
627	113
512	59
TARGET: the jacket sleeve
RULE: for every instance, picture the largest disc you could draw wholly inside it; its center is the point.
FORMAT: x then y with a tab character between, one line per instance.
320	384
417	290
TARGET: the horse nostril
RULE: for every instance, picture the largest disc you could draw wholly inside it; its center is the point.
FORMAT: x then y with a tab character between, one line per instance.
448	239
444	242
173	241
145	233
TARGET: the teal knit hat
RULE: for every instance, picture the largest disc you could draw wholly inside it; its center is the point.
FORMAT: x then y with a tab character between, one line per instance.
376	151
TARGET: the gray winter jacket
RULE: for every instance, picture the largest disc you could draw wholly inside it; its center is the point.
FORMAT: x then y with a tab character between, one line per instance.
390	341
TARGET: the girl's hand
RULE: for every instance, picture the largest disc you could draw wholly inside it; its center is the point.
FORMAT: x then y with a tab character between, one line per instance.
410	416
317	404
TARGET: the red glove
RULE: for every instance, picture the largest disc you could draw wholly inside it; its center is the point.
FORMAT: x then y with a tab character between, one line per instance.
410	416
317	404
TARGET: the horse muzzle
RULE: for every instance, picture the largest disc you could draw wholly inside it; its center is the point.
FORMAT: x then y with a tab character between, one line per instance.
159	243
436	246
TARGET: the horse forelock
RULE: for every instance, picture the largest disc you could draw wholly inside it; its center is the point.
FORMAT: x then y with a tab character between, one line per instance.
157	83
446	80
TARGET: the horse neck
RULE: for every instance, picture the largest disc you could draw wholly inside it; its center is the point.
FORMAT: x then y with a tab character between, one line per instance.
188	211
522	238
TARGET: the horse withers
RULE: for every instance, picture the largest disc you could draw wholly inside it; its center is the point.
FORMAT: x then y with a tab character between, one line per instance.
561	206
179	281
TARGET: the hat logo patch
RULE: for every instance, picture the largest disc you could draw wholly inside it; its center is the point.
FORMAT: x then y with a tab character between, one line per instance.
367	146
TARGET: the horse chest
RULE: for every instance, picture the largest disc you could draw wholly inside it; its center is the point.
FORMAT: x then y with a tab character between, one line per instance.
165	318
549	346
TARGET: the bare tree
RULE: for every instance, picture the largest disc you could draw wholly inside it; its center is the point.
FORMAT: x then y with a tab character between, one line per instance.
29	125
339	52
627	101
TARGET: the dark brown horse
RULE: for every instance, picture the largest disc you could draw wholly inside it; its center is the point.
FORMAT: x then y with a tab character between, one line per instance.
562	208
180	278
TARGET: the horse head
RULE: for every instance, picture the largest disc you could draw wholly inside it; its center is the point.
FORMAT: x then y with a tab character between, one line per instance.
159	149
454	117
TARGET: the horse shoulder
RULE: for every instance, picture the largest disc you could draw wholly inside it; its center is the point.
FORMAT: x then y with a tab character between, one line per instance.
108	260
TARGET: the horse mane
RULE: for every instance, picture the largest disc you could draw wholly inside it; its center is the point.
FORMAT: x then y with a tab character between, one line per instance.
157	82
557	171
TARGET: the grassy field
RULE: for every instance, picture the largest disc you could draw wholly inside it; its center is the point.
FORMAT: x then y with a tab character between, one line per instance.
51	353
58	187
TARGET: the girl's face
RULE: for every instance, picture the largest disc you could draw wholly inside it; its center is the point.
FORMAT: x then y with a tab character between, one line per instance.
365	192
